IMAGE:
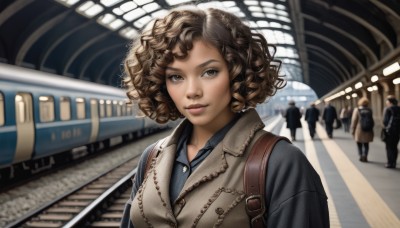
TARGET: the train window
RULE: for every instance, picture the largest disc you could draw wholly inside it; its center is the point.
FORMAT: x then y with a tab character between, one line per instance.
123	107
21	109
1	110
46	108
65	108
80	108
129	110
115	107
108	108
102	109
118	107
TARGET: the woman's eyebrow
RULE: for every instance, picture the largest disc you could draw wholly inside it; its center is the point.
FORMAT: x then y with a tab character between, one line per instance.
171	68
206	63
198	66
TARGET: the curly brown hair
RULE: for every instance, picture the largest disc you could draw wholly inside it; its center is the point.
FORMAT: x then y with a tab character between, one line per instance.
252	68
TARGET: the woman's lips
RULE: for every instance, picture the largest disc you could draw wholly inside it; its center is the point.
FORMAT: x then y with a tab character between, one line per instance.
196	109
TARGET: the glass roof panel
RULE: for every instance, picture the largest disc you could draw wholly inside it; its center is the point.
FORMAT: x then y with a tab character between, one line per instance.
282	13
281	7
151	7
106	19
262	23
67	2
268	4
128	32
269	17
255	8
134	14
275	25
109	3
176	2
85	6
249	2
94	10
269	10
142	2
128	6
116	24
258	14
159	13
118	11
142	21
229	3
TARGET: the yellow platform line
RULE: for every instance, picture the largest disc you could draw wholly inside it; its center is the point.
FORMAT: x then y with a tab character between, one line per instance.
312	157
285	131
271	126
372	206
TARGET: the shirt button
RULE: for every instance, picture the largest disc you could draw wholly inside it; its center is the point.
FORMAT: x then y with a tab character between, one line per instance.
184	169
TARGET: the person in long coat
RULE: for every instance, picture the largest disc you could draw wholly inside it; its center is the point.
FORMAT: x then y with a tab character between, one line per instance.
293	116
391	118
329	116
362	138
312	115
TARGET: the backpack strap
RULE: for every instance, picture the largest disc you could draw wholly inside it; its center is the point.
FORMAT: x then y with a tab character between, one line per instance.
255	173
153	153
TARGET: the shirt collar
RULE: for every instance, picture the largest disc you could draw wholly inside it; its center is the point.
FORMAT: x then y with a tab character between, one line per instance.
181	154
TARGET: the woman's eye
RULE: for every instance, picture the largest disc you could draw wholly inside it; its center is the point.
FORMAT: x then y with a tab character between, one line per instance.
211	73
174	78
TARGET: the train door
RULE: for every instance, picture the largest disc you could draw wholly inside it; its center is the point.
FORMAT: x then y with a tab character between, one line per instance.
94	110
25	127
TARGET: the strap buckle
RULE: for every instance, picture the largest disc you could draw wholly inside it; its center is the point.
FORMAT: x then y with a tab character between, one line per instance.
255	206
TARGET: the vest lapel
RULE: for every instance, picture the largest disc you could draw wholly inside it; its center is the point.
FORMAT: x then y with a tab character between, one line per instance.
207	170
162	175
233	144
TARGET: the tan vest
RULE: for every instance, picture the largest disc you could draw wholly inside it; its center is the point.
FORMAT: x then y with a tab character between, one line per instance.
213	194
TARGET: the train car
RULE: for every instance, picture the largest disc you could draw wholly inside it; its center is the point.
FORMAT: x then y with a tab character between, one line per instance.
42	114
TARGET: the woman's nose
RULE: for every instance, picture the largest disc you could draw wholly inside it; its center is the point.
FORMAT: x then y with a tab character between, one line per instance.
193	89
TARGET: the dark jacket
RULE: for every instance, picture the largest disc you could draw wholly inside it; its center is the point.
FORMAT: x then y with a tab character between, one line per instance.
392	125
329	115
293	116
312	115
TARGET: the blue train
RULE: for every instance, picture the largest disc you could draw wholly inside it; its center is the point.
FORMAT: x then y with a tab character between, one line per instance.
42	115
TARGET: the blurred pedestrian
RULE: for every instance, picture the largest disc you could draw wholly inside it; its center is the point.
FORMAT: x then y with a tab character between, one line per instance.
293	116
329	116
345	117
391	122
362	128
311	116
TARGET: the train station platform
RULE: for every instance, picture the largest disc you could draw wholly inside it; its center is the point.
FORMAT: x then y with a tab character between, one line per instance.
361	194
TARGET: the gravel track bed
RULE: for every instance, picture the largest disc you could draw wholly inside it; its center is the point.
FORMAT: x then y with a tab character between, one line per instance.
17	202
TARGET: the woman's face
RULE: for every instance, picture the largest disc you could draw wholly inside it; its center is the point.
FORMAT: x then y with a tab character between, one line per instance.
199	85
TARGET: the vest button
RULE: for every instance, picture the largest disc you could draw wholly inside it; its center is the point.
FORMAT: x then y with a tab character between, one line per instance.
219	211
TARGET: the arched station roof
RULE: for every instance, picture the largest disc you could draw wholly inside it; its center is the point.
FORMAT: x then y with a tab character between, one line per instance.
323	43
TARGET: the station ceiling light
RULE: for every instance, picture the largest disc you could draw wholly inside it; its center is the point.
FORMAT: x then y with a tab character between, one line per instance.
374	78
391	69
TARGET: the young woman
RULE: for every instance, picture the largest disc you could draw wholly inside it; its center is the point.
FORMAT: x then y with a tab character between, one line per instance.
210	69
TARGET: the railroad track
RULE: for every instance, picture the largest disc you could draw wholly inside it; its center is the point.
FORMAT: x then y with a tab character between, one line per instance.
97	203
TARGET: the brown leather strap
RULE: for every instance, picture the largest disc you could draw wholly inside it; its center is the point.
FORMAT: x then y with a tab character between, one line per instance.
153	153
255	173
